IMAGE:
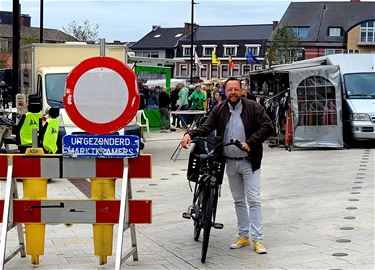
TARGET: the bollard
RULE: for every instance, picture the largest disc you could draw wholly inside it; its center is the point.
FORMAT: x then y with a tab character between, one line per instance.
103	189
35	189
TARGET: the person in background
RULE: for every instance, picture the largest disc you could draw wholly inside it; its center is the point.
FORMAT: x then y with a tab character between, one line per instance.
183	103
217	99
244	120
246	93
174	98
197	99
164	110
50	131
24	128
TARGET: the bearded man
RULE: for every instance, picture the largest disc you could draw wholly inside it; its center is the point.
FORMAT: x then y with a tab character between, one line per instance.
245	120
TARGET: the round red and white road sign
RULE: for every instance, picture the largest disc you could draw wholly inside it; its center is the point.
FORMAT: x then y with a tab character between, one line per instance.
101	95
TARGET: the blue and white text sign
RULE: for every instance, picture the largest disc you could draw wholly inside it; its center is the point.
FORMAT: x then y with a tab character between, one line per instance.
101	146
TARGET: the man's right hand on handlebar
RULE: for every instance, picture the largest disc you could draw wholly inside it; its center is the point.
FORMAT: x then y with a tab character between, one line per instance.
186	140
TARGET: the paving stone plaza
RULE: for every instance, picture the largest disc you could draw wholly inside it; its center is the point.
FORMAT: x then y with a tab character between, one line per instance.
318	211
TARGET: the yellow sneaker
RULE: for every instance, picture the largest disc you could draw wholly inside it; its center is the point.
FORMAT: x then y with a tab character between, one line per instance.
259	247
240	242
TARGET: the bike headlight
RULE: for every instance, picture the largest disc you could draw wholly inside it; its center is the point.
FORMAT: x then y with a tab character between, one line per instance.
359	117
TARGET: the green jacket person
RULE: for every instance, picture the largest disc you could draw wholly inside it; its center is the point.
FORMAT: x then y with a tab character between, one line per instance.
197	98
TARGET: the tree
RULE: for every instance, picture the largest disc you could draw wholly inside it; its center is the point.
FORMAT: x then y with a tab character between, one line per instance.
29	39
4	55
285	46
85	32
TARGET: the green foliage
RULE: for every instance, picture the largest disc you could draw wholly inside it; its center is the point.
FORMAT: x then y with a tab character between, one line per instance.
29	39
284	47
4	55
85	32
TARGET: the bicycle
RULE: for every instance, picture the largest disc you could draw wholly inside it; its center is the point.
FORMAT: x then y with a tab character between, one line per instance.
206	169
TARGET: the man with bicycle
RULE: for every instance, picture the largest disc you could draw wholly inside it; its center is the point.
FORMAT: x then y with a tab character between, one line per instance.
244	120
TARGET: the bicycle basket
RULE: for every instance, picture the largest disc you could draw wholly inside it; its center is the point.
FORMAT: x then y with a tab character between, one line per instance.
195	166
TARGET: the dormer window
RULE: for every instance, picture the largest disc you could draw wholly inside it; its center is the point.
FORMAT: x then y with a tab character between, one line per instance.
208	49
301	31
186	50
254	49
230	50
368	32
334	31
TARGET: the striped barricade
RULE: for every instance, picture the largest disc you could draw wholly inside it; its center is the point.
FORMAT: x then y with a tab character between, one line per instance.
102	210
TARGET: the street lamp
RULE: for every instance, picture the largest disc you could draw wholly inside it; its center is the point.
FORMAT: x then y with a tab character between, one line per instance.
192	41
41	22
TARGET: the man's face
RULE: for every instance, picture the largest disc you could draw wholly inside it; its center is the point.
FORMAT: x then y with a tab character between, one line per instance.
233	92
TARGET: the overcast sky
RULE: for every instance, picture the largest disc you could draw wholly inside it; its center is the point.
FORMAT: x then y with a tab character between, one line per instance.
129	20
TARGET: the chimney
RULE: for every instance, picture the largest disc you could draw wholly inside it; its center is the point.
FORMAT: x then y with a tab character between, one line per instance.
274	24
187	28
154	27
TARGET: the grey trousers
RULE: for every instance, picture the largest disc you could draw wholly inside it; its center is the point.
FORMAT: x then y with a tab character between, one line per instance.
164	113
245	187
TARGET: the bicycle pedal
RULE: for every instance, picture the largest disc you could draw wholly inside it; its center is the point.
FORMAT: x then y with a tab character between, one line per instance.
218	226
186	215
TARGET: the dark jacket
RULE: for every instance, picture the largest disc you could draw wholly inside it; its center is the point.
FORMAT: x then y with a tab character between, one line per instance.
164	100
258	127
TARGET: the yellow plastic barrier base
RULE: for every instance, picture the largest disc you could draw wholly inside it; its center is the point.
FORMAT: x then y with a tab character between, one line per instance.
35	189
103	189
35	241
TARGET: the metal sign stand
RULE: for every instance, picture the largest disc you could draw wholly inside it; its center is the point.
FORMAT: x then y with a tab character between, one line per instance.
11	193
124	224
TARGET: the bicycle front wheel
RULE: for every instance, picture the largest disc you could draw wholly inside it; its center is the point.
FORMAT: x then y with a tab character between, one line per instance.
208	206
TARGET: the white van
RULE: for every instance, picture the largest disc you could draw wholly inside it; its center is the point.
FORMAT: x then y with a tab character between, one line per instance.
358	85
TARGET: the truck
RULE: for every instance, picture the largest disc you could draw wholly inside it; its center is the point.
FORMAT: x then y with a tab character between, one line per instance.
44	68
332	97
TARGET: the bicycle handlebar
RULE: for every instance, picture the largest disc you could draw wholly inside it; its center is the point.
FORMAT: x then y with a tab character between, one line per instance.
231	142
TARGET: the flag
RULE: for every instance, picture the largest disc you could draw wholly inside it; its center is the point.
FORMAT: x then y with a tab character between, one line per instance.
214	59
197	61
251	59
230	62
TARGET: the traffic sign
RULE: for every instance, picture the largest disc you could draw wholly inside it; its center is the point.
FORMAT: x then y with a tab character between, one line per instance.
102	146
101	95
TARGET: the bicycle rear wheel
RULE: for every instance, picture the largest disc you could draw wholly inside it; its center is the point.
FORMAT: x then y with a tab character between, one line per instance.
198	221
209	207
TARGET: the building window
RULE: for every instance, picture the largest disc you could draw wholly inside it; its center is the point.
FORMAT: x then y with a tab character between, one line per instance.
214	71
230	50
333	51
186	50
353	51
204	71
246	69
184	70
254	49
208	49
301	32
4	44
195	70
224	71
334	31
236	71
153	54
368	32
